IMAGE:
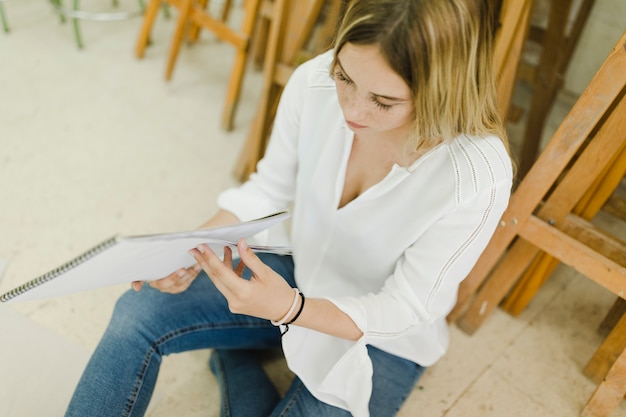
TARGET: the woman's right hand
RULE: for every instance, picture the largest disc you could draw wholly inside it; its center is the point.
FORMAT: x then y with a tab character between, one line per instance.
175	283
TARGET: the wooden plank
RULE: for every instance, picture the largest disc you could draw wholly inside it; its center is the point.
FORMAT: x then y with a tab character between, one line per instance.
219	28
571	252
503	277
547	82
249	155
508	51
529	284
616	312
184	11
610	392
616	207
598	366
286	40
595	238
146	27
241	42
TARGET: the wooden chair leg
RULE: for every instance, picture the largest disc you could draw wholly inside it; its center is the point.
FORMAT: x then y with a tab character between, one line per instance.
615	314
610	392
226	10
194	29
177	39
599	365
504	276
259	41
270	94
258	136
146	27
530	283
515	17
236	79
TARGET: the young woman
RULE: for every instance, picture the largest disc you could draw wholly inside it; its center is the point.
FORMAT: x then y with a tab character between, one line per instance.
391	152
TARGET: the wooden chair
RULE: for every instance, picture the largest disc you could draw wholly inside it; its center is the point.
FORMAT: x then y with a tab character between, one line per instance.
292	25
193	16
548	213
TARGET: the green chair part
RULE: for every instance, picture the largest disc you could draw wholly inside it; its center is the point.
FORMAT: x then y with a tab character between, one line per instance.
3	17
76	15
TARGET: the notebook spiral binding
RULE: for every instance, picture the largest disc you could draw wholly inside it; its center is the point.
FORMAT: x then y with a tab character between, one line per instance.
59	271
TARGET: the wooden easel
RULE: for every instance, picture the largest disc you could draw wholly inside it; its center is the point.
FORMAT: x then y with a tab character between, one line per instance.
292	24
580	167
193	15
558	42
514	17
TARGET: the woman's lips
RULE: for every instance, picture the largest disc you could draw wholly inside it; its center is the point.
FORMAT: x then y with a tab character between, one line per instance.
354	125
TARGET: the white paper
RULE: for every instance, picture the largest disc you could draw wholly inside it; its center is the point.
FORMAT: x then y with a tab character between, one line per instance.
140	258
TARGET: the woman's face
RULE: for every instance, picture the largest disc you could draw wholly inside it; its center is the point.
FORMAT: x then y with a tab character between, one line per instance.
374	99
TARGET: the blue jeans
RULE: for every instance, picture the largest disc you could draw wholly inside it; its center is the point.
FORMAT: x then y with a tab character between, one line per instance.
147	325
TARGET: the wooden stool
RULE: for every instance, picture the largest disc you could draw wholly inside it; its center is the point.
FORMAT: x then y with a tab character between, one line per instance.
192	14
580	167
292	25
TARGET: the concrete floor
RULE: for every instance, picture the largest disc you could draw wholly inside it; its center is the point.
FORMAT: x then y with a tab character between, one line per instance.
95	143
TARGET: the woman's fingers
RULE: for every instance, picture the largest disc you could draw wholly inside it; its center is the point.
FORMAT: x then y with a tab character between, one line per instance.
240	267
221	275
250	259
228	257
174	283
266	295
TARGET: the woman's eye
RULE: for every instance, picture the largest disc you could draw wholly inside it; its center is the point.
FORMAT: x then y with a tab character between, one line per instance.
339	75
381	106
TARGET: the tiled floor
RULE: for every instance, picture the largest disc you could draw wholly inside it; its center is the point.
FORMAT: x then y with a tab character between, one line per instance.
94	143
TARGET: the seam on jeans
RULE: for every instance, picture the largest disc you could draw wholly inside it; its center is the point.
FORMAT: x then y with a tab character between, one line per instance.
223	385
292	400
154	347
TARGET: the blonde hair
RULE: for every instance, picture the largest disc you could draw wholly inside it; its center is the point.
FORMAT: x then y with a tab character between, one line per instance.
443	49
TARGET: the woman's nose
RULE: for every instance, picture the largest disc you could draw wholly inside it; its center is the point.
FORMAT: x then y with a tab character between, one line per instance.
355	109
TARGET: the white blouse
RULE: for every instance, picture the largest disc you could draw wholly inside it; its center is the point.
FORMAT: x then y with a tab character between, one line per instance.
392	258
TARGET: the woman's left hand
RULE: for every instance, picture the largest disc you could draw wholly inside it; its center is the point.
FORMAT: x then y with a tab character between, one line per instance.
266	295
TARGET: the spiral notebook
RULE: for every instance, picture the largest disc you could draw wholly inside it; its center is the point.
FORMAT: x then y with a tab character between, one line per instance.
122	259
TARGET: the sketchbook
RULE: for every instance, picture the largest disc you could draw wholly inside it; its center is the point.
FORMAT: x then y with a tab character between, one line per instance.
122	259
